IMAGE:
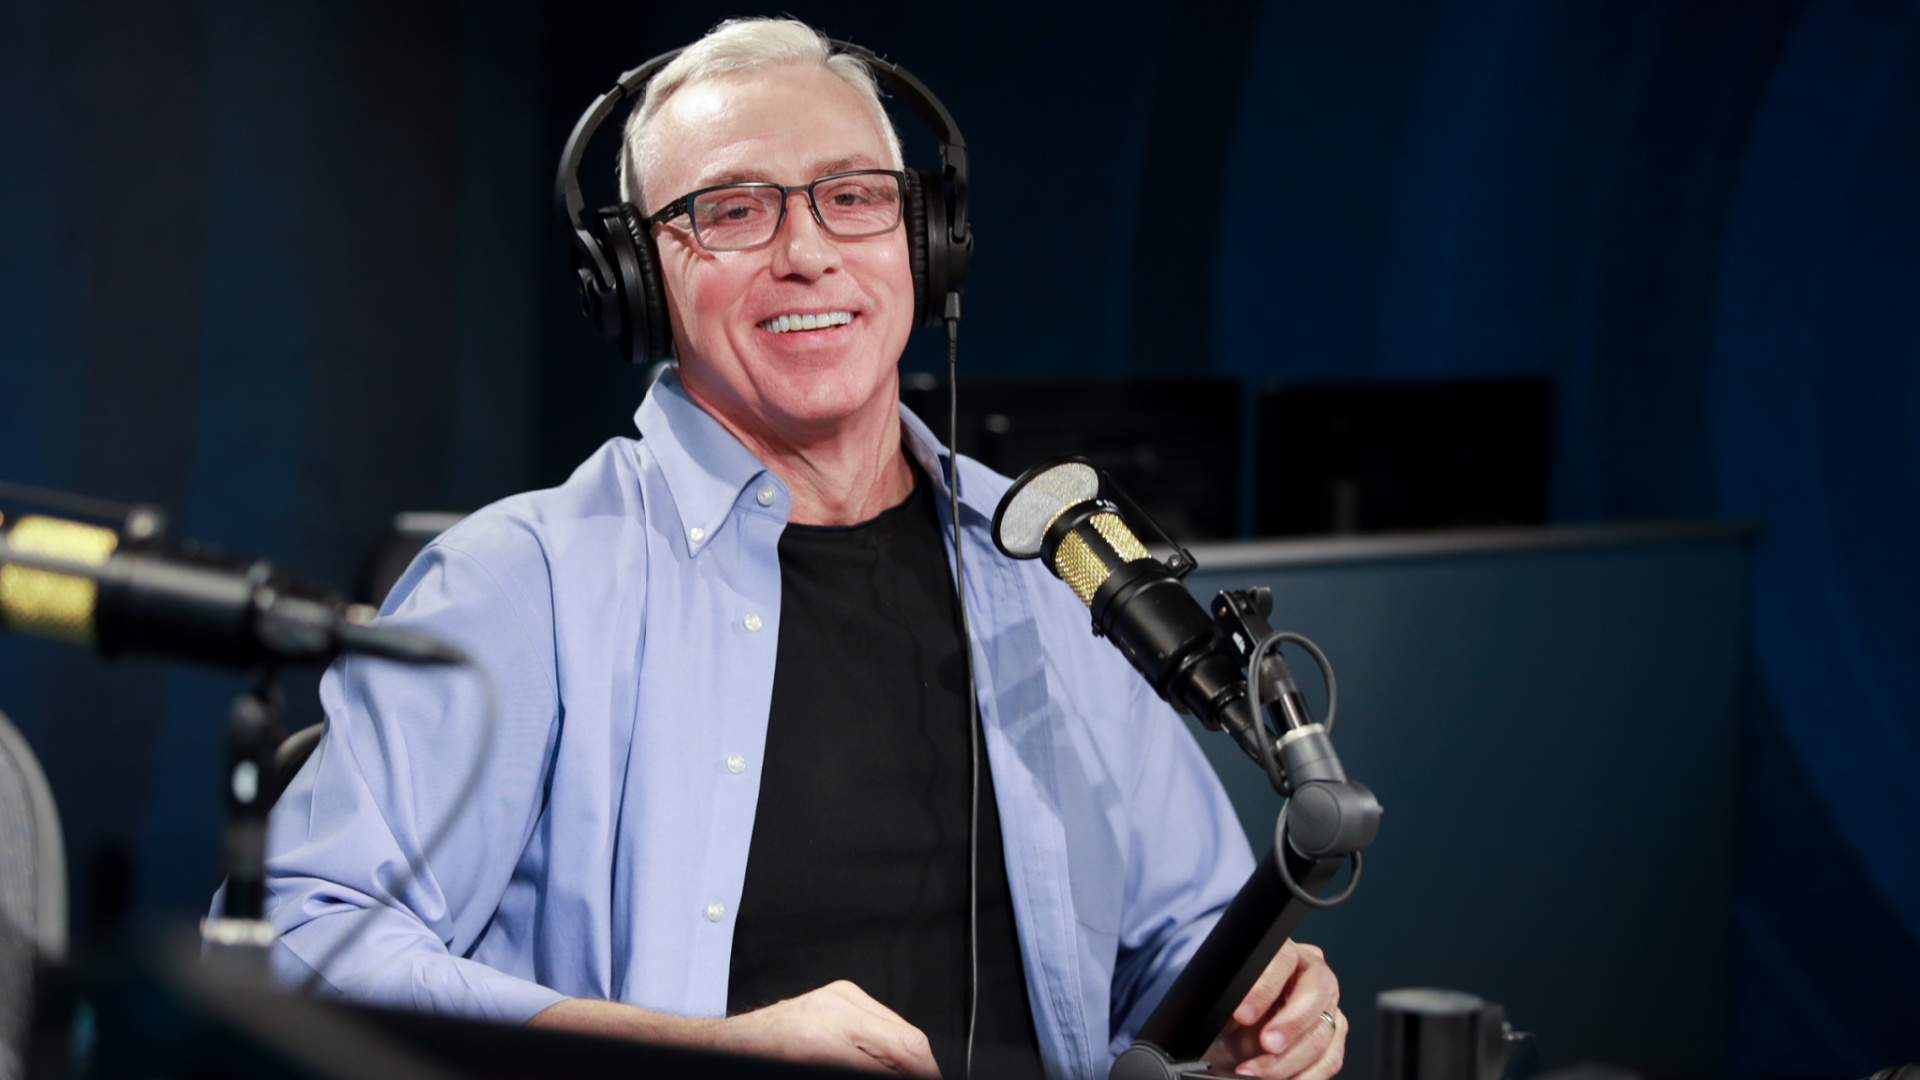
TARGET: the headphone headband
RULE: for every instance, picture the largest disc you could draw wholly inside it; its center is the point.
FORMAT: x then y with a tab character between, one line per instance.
953	146
566	186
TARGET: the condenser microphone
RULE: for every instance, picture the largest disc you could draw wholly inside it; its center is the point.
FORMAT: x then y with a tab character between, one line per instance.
1057	513
91	585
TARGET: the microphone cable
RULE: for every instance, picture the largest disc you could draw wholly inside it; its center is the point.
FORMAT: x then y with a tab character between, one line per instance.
973	689
416	867
1256	692
1270	752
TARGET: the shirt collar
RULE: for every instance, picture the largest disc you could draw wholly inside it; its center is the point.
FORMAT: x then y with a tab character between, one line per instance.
706	467
980	487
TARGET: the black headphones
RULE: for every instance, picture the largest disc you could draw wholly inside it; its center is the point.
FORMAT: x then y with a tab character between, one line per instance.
619	267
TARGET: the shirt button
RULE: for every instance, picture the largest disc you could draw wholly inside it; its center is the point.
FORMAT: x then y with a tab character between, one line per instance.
753	622
697	534
766	496
736	764
716	911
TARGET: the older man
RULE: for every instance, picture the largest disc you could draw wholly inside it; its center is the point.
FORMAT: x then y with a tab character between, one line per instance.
728	804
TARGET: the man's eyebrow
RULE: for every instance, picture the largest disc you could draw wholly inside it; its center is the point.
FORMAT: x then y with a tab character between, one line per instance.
732	176
844	164
822	168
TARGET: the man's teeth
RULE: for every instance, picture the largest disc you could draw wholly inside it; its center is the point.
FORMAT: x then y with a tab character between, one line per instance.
780	324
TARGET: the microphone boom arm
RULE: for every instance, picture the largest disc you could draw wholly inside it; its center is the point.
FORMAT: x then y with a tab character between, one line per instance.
1333	819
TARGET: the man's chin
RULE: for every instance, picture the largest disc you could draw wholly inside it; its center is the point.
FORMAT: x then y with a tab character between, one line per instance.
799	409
826	387
812	410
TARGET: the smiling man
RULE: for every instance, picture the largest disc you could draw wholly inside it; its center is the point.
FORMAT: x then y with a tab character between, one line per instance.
729	803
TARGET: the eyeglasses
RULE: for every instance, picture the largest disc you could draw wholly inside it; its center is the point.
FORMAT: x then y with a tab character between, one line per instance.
739	217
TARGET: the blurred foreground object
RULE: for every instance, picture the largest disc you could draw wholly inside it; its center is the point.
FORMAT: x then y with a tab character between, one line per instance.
33	892
121	588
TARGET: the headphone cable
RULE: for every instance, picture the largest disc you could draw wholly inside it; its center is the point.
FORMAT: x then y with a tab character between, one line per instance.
973	690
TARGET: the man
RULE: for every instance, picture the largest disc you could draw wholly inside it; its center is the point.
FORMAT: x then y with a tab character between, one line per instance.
727	803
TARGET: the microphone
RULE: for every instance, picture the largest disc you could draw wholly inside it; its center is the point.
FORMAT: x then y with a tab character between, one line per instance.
90	585
1056	512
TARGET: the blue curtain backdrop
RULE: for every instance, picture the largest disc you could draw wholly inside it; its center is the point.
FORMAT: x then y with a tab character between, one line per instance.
287	269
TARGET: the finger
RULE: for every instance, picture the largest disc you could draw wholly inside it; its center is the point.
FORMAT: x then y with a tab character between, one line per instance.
1313	990
884	1035
856	1058
843	1049
1316	1055
1335	1056
1234	1044
1266	989
1309	1046
841	1024
901	1047
1310	990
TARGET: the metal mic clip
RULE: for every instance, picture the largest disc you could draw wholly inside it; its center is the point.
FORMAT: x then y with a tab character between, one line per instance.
1181	562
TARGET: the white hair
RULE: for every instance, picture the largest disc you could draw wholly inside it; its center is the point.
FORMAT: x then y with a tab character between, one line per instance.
739	45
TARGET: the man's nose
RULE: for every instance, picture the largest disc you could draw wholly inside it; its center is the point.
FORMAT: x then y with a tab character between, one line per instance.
803	248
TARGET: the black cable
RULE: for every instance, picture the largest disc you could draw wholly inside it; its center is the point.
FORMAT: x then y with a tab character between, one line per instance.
1326	671
973	690
1270	751
1300	894
1256	689
417	864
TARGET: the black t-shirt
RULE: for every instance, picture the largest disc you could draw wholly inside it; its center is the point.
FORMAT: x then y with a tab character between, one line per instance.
858	866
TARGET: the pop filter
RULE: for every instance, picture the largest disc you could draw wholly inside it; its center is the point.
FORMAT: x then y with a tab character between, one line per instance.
1033	502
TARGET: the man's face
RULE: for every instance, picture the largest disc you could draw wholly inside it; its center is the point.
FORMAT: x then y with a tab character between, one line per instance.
786	125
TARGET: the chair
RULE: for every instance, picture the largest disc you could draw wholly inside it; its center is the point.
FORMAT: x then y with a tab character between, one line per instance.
292	753
33	891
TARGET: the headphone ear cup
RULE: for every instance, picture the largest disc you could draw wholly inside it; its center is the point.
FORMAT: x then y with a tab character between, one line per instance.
599	299
939	264
920	242
637	318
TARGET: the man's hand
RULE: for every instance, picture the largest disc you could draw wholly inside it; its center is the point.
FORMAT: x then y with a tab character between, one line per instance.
1281	1031
837	1025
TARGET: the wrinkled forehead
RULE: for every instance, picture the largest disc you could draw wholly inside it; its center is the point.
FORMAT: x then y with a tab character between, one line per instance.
786	125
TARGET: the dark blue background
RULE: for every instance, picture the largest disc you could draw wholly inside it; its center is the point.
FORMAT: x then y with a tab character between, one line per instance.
287	268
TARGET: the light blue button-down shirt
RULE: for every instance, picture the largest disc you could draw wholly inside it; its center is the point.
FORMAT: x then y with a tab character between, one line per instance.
630	618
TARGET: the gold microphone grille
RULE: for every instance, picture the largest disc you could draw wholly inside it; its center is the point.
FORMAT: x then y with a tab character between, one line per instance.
1115	532
1081	569
41	601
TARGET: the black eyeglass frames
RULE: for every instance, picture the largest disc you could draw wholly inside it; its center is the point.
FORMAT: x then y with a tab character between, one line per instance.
739	217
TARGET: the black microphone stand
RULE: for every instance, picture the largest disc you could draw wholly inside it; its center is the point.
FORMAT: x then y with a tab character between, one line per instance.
1333	819
238	938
